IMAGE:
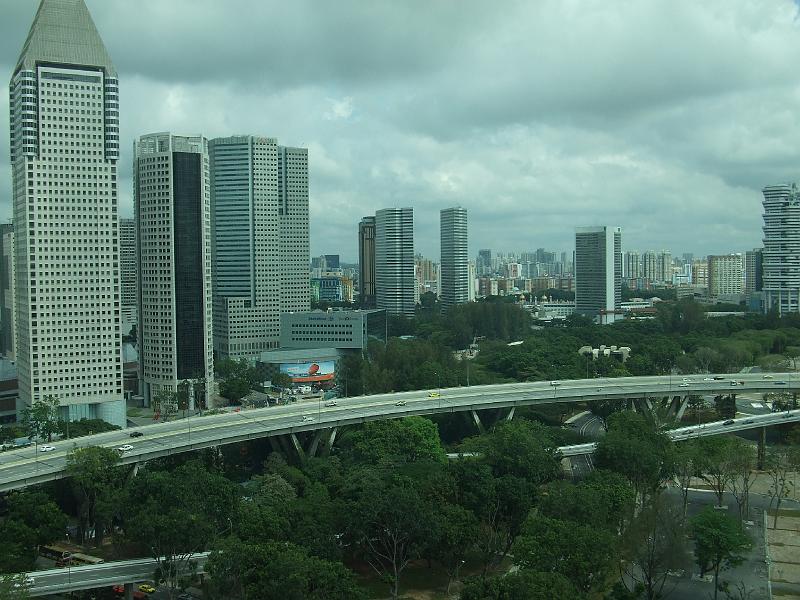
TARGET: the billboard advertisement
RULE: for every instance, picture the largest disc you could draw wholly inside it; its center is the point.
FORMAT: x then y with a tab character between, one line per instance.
309	372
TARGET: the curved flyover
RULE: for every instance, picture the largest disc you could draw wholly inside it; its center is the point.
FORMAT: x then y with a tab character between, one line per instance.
24	467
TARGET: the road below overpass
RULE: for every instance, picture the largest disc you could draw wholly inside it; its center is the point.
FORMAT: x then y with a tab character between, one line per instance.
64	580
24	467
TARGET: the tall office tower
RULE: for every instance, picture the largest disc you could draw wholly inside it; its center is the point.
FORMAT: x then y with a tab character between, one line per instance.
8	304
700	273
782	248
366	262
473	282
127	263
725	274
250	200
332	262
688	257
454	270
172	204
633	265
484	264
753	270
64	148
664	266
598	272
649	268
394	261
294	251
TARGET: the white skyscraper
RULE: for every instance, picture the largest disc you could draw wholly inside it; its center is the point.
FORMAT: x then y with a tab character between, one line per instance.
64	148
598	272
395	279
172	203
256	186
781	258
127	263
454	268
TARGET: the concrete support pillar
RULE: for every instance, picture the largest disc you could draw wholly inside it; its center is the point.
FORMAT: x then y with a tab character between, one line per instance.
477	421
762	448
331	438
298	447
510	414
128	591
684	402
273	442
312	447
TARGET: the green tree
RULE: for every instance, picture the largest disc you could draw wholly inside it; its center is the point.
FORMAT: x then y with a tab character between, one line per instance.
395	441
742	465
96	481
719	543
388	521
653	545
41	418
523	585
171	515
780	461
38	512
17	547
717	464
687	461
277	571
14	587
634	448
585	555
454	533
281	380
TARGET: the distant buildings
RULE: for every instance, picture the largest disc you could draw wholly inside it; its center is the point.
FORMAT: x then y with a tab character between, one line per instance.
427	275
725	275
64	105
260	241
394	261
174	270
366	262
753	270
454	270
598	272
781	248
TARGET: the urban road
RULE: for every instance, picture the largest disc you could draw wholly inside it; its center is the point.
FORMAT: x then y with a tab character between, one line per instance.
26	466
63	580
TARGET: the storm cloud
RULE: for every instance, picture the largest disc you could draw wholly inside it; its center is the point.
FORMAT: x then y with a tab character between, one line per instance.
665	118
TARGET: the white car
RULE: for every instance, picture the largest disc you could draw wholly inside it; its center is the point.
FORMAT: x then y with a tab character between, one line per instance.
555	383
307	419
330	403
125	448
767	377
400	403
684	384
708	379
46	448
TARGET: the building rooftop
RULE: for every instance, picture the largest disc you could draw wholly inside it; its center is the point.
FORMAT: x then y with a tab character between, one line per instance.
63	32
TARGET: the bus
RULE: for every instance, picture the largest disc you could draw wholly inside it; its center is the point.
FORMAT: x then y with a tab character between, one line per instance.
55	552
83	559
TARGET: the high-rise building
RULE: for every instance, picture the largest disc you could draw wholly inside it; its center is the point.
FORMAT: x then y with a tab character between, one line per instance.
174	262
484	264
598	272
331	262
394	260
650	265
127	263
473	282
753	270
782	248
664	266
8	302
250	201
294	251
700	273
428	275
633	265
64	106
366	262
454	271
725	274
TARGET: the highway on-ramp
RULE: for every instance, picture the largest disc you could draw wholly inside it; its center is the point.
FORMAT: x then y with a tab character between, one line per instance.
24	467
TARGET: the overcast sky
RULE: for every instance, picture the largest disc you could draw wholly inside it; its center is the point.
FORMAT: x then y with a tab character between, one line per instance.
663	117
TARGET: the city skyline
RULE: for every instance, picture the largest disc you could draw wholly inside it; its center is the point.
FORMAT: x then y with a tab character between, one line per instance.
526	164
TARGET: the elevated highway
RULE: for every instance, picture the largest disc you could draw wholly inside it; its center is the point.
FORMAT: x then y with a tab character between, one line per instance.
24	467
123	572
